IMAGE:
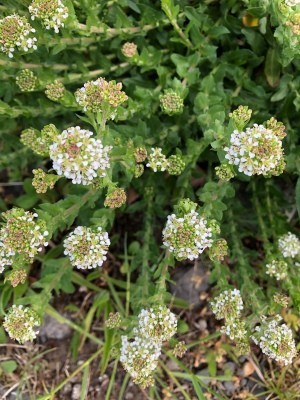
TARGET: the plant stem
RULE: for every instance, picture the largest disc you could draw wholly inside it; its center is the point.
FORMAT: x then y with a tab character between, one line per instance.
146	244
50	395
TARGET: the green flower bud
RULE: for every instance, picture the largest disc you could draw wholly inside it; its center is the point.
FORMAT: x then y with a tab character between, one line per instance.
139	170
241	116
180	349
171	103
281	299
55	91
176	165
114	320
26	80
224	172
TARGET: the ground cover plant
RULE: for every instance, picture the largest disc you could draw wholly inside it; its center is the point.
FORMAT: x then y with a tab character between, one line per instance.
150	199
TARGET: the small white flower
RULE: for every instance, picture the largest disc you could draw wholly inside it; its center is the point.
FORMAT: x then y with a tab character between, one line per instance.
289	245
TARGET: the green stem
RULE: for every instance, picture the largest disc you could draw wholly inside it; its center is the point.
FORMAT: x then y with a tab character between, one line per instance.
146	244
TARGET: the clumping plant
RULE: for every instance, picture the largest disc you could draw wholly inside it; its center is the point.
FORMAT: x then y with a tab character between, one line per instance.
141	141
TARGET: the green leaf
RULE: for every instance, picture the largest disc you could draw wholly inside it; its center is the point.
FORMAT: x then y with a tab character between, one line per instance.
272	68
8	366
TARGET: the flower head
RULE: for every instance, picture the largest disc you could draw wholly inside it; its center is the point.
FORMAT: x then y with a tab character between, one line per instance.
21	236
21	322
289	245
114	320
16	277
157	160
157	323
176	165
171	103
78	156
256	151
115	198
292	3
281	299
278	269
53	13
224	172
180	349
276	341
187	236
235	329
139	358
55	90
129	49
26	80
218	250
227	305
43	181
101	96
16	32
140	154
241	116
87	247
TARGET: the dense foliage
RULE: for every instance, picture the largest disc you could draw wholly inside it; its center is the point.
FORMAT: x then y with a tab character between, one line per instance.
153	132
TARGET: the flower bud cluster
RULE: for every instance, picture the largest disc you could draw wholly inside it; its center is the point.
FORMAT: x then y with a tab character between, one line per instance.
218	250
53	13
276	341
21	322
26	80
278	269
139	170
157	323
171	103
228	305
256	151
55	90
16	32
129	49
176	165
43	181
114	320
140	356
140	154
87	247
21	236
180	349
241	116
37	141
289	245
281	299
224	172
16	277
115	198
159	162
187	236
101	96
78	156
235	329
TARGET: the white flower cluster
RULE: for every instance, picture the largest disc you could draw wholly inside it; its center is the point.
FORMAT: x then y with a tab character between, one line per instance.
276	341
256	151
157	323
86	248
21	236
21	322
188	236
157	160
235	329
289	245
278	269
292	3
228	304
78	156
140	356
16	32
53	13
